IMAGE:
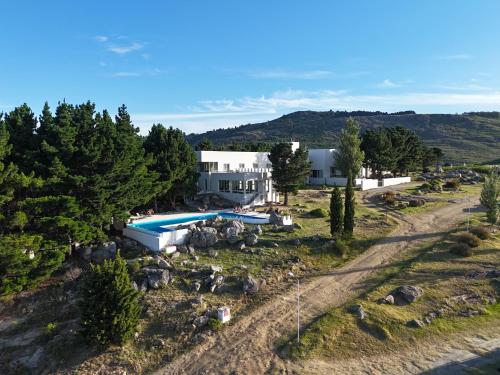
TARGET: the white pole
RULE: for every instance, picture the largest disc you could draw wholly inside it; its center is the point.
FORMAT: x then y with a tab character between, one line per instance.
298	311
468	215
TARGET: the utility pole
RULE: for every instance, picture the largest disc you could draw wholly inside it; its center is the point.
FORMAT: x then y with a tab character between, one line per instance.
298	310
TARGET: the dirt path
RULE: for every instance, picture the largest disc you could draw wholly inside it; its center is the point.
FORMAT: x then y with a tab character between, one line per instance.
247	346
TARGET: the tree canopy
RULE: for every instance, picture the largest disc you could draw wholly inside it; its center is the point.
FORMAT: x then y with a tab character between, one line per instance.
350	157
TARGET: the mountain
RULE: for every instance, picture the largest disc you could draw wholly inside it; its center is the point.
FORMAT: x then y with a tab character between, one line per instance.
467	137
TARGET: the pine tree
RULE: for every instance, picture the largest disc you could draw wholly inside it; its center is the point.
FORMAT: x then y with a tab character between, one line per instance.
350	157
336	212
108	303
290	169
490	195
349	207
205	145
174	160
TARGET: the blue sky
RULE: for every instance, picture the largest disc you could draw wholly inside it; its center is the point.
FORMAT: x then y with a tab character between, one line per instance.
199	65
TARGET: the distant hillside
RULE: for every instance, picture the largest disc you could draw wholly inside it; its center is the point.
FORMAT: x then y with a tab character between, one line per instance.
469	137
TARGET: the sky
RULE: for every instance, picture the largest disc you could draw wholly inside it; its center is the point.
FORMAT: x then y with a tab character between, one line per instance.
201	65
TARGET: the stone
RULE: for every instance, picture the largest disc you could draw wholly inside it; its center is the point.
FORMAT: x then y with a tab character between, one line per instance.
389	299
214	269
250	285
143	285
295	242
257	230
251	239
175	255
182	249
273	244
213	253
407	293
163	264
201	321
191	250
86	253
103	253
237	226
196	286
240	246
204	238
157	278
298	225
232	239
216	283
358	311
415	323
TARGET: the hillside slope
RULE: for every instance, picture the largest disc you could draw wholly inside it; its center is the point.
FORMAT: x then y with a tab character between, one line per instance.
470	137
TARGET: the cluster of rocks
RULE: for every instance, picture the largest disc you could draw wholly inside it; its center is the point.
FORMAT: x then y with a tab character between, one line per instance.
358	311
465	176
154	273
403	295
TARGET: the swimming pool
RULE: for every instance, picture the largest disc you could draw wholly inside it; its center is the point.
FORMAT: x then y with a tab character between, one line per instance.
168	224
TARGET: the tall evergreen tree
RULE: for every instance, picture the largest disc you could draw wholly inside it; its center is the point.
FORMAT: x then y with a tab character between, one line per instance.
490	195
174	160
350	156
205	145
290	169
380	156
109	304
349	207
336	212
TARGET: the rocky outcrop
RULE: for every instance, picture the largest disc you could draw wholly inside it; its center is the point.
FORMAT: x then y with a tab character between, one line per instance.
156	277
251	239
407	294
203	238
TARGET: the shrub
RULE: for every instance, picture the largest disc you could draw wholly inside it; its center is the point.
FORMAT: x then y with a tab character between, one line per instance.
215	324
461	249
134	266
451	184
108	303
416	202
340	247
481	232
425	186
318	212
389	198
468	239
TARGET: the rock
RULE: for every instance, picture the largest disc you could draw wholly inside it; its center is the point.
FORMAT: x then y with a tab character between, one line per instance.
389	299
275	218
407	293
257	230
233	227
156	277
175	255
108	246
430	317
191	250
232	239
358	311
182	249
213	253
201	321
143	285
295	242
86	253
297	225
251	239
416	202
216	283
157	343
204	238
273	244
250	285
163	264
214	269
100	255
209	230
240	246
415	323
196	286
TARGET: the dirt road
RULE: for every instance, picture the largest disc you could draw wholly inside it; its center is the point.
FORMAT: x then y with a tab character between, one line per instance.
247	346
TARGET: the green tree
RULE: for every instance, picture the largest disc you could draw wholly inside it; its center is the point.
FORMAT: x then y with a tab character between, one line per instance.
108	303
349	207
490	195
378	151
350	157
407	149
438	156
336	212
290	169
205	145
174	161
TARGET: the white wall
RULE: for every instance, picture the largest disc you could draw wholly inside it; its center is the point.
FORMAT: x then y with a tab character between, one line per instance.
395	181
234	159
154	241
367	184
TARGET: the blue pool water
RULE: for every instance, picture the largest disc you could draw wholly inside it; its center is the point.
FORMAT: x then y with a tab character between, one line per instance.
160	226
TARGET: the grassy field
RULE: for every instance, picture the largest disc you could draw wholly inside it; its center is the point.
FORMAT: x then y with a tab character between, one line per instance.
447	290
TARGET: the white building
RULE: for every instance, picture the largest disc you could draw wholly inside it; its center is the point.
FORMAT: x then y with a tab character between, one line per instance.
246	177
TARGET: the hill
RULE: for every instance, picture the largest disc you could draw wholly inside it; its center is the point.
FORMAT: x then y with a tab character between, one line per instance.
469	137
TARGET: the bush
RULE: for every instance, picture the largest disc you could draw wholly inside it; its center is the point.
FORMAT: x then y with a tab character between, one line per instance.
481	232
468	239
461	249
340	247
318	212
108	303
451	184
416	202
389	198
215	324
134	267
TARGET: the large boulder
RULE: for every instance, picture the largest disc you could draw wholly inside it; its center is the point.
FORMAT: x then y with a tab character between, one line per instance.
251	239
407	293
251	285
157	278
204	238
257	230
102	253
233	227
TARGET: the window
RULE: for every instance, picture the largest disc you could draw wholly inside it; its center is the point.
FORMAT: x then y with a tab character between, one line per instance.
210	166
255	165
267	186
334	172
242	165
317	173
237	186
227	167
224	186
206	185
250	186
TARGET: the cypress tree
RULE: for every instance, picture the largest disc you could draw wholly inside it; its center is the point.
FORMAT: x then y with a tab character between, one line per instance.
108	303
336	212
349	207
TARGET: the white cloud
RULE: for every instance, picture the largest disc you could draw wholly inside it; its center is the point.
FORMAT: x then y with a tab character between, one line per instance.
387	83
212	114
126	74
121	50
101	38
